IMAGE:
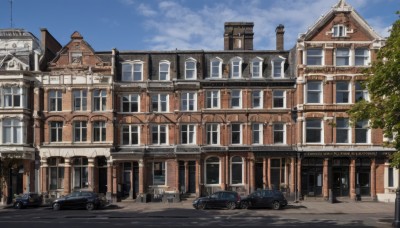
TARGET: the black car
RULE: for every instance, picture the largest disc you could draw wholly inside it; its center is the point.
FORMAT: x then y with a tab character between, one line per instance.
77	200
28	200
265	198
222	199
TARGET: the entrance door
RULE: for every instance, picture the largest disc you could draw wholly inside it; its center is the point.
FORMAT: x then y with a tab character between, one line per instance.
102	180
259	175
341	181
135	179
192	177
363	179
127	179
182	182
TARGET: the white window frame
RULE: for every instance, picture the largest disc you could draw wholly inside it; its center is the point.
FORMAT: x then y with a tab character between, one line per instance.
321	129
13	96
162	72
101	127
260	97
260	131
56	96
210	131
344	92
241	163
339	30
276	96
157	129
131	130
319	92
188	69
190	133
257	67
130	100
210	96
216	63
206	163
16	130
235	96
280	130
366	128
188	97
279	63
133	72
100	99
240	132
360	90
341	128
82	98
83	131
339	55
236	67
163	170
315	56
366	57
57	130
160	102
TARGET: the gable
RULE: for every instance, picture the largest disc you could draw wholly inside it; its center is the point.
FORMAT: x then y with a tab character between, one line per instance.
10	62
356	28
77	54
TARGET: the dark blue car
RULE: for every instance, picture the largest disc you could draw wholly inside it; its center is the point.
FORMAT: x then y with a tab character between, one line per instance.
265	198
28	200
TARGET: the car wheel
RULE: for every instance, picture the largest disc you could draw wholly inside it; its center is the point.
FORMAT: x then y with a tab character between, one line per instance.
18	205
201	206
89	206
231	205
276	205
244	205
56	206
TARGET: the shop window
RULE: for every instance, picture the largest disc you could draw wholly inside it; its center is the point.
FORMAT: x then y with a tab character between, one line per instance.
237	170
212	170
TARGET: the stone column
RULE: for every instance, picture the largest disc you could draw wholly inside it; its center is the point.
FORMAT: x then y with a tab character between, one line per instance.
373	179
252	180
299	177
141	176
325	179
186	177
223	176
293	175
67	176
265	179
198	177
91	184
352	178
43	176
269	172
109	177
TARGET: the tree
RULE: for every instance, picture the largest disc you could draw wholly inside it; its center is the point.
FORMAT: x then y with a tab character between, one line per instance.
383	85
7	163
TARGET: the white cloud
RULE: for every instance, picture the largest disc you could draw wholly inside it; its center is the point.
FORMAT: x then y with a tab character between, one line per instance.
145	10
177	25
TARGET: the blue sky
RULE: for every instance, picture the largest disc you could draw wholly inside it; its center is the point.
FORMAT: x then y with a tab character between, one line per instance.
181	24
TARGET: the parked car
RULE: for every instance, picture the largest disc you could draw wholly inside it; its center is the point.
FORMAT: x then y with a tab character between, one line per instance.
265	198
28	200
221	199
77	200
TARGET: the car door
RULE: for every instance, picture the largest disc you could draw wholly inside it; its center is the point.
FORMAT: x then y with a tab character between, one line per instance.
72	200
255	199
82	199
214	200
267	198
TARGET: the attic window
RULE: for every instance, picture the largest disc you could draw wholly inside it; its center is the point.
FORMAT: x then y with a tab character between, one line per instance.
339	30
76	57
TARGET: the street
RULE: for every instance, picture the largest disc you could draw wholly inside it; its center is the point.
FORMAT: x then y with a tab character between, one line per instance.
307	214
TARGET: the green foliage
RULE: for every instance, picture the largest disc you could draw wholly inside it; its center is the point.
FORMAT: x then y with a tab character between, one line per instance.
6	164
383	84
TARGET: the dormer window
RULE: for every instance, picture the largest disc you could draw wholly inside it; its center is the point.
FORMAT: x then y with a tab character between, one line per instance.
216	68
190	69
164	71
339	31
236	67
278	67
256	67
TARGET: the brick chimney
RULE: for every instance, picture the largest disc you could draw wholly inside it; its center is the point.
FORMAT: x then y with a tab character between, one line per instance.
238	36
280	30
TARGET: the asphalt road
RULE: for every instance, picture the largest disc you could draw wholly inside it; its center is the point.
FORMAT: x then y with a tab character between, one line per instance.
175	216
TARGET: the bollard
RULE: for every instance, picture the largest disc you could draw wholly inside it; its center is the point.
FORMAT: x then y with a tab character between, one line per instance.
396	222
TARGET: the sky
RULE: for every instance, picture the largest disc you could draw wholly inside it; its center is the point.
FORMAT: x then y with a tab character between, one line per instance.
180	24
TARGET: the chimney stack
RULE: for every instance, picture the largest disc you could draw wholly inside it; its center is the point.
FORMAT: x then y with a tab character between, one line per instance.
280	30
238	36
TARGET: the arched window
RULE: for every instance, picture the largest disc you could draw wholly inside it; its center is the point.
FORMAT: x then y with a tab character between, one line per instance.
236	67
212	170
236	170
256	67
190	69
216	68
164	71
